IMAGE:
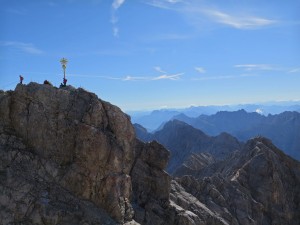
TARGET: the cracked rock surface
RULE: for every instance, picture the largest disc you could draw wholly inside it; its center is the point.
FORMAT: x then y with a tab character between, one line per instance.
67	157
64	139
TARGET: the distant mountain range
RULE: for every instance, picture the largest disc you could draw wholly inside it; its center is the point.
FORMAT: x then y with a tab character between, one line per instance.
151	120
283	129
183	140
223	181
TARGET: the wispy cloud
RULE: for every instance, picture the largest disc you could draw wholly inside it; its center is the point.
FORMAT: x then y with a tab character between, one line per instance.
168	77
223	77
165	75
149	78
125	78
156	78
215	78
94	76
114	18
133	78
200	69
163	4
24	47
173	1
158	69
267	67
238	21
251	67
296	70
199	12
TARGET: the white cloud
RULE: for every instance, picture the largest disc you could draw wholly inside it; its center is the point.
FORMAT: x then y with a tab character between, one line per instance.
296	70
199	12
200	69
223	77
132	78
117	4
174	1
215	77
24	47
114	19
238	21
163	4
116	31
165	75
158	69
259	111
168	77
95	76
251	67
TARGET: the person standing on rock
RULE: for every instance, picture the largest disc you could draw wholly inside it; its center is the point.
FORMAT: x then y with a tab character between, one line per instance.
65	82
21	79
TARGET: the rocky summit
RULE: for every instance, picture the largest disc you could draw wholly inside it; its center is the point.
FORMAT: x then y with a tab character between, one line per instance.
68	157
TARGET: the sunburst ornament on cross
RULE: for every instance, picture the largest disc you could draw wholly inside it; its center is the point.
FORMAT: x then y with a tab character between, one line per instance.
64	62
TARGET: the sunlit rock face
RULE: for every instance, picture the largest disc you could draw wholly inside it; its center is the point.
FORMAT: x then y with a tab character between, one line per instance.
67	157
78	142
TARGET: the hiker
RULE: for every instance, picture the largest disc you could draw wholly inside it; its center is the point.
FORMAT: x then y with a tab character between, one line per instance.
47	82
65	82
21	79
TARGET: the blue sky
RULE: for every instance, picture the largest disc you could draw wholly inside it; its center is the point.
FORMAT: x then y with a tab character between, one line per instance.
151	54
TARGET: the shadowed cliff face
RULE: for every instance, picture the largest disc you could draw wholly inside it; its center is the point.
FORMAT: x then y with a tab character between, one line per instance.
255	184
67	157
183	140
86	143
259	185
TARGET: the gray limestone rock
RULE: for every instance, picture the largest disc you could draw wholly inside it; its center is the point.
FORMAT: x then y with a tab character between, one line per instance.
67	157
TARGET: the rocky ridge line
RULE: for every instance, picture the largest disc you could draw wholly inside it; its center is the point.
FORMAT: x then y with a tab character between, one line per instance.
67	157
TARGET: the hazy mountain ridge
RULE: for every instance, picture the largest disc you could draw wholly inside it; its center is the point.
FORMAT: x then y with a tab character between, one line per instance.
151	120
183	140
283	129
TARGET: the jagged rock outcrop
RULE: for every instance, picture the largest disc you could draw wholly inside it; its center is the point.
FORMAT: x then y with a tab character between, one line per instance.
67	157
259	185
81	143
151	189
194	163
142	133
183	140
